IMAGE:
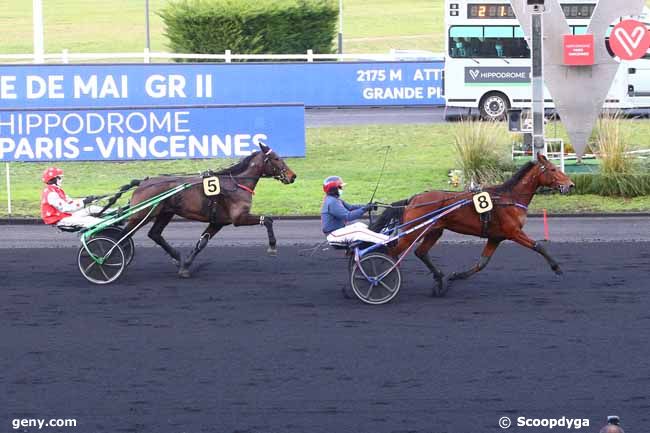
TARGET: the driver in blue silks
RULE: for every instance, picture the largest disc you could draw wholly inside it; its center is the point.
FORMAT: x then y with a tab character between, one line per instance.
336	213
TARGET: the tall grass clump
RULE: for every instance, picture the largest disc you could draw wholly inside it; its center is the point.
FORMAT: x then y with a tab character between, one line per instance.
482	151
612	144
620	173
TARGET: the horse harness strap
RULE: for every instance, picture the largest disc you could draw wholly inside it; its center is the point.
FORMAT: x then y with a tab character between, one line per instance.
485	223
487	216
245	188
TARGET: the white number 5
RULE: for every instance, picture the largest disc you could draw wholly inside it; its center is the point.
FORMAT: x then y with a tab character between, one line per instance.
211	186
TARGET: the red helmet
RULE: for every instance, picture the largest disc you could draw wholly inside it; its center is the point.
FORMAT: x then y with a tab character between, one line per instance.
332	182
50	173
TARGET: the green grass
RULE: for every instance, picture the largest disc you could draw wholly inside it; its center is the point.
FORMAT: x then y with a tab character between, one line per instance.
420	155
370	26
419	159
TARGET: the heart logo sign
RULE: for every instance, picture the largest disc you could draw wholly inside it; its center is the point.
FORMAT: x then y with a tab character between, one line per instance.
630	40
474	73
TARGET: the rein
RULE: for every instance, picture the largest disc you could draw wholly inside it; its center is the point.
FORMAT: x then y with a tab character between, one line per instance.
419	205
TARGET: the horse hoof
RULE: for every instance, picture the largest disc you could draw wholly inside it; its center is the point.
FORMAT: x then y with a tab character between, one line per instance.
184	273
558	271
441	288
272	251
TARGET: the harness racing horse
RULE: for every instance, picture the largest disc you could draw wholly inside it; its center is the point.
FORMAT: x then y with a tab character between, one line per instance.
231	206
506	220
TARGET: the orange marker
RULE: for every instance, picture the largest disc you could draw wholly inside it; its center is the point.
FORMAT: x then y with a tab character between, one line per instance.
546	236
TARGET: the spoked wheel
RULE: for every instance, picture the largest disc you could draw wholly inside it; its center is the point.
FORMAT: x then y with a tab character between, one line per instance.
127	245
381	282
110	263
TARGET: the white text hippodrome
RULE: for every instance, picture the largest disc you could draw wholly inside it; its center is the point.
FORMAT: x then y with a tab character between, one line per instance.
94	123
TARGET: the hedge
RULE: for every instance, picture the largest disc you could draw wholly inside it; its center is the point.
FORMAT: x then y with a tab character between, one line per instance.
250	26
615	185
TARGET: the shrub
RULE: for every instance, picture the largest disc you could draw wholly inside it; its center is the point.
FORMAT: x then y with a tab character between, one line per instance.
613	184
620	173
611	145
250	26
482	151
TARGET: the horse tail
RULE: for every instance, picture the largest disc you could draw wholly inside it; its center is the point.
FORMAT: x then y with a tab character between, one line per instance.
396	211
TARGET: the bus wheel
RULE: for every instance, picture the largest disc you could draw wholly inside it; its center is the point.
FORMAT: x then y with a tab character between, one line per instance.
494	106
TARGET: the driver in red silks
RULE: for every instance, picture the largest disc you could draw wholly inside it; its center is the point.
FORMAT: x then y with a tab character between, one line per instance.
57	208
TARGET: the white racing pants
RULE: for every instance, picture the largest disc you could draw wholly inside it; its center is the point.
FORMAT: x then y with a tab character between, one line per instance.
355	232
81	218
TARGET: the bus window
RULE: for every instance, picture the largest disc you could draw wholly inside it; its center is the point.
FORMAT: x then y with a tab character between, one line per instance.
579	30
466	32
498	31
487	42
464	41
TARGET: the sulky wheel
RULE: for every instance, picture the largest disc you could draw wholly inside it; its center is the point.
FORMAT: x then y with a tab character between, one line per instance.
381	282
127	245
110	263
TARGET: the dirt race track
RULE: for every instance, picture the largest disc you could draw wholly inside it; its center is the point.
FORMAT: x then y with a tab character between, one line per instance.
268	345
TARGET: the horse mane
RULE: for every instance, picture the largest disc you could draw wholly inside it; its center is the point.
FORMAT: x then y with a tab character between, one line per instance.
516	178
239	166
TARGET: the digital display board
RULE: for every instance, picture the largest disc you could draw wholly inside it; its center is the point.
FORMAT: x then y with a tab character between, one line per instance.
583	11
489	11
504	11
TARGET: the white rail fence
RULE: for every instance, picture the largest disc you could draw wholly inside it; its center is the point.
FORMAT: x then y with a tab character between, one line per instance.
147	56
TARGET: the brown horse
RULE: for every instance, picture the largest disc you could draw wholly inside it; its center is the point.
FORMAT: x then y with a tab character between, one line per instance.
506	220
231	206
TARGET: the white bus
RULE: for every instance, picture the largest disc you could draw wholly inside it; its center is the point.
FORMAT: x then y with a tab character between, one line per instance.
485	36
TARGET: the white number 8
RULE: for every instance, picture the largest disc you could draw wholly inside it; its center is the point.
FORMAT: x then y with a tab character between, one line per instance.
482	202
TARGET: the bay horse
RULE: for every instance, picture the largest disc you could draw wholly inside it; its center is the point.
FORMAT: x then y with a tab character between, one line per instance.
507	219
231	206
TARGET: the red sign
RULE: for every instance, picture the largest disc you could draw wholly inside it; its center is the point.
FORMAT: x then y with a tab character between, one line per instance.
629	40
579	50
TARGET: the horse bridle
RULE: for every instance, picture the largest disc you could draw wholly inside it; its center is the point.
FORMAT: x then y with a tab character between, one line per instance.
562	188
278	174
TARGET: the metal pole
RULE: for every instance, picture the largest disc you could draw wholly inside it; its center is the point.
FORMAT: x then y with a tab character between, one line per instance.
8	189
538	84
37	18
340	50
146	23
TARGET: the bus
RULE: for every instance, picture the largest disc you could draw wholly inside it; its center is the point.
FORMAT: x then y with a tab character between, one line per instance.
484	35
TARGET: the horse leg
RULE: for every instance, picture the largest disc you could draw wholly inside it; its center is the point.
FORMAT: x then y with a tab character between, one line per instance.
208	233
268	223
422	253
486	255
522	239
155	234
251	220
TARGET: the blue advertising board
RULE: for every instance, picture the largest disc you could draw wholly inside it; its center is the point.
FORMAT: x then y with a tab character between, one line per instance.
114	134
317	84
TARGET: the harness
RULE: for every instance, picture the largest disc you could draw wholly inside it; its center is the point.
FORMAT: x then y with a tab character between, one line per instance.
213	204
485	217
